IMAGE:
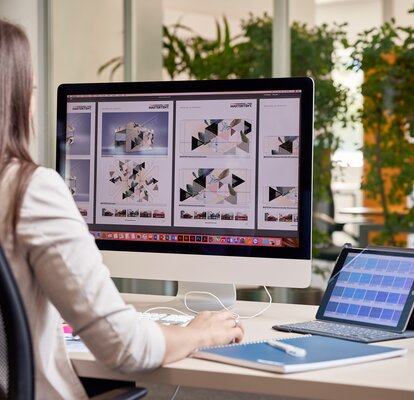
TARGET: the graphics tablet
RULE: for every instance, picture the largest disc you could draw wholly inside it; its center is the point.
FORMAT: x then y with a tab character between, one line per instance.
369	296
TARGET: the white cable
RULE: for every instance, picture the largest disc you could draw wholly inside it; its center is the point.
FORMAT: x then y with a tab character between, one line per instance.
236	315
264	309
173	397
201	292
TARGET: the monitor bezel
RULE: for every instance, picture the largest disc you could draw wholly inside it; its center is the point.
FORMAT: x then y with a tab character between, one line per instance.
305	84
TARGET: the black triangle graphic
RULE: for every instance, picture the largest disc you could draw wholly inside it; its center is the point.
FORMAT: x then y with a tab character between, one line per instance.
273	194
236	180
184	195
195	143
288	146
213	128
201	180
247	127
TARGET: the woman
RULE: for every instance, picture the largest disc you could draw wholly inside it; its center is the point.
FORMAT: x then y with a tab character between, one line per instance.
57	265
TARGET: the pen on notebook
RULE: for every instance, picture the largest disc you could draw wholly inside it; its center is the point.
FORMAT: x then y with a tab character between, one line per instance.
287	348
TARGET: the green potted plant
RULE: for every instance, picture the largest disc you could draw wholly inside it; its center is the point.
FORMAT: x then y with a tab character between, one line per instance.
386	56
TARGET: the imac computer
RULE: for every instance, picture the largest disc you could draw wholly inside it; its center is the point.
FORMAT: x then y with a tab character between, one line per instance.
194	181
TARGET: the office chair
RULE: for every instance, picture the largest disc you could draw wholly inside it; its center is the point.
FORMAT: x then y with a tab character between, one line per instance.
16	354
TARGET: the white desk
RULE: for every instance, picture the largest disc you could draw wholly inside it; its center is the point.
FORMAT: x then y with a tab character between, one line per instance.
380	380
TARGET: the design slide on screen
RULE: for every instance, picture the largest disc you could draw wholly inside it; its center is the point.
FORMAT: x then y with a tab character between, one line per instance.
282	146
216	136
212	194
80	145
215	163
134	163
278	163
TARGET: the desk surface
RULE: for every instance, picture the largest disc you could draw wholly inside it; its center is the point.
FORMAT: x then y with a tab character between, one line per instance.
382	380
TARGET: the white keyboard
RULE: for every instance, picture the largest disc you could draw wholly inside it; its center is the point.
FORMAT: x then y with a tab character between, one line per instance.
168	319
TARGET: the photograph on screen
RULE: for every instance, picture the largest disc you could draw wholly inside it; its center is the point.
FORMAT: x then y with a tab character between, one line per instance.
78	179
134	133
78	134
224	137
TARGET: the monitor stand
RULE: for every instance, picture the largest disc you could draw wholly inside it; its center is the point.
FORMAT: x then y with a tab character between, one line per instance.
196	295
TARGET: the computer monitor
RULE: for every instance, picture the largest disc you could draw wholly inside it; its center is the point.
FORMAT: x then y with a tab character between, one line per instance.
194	181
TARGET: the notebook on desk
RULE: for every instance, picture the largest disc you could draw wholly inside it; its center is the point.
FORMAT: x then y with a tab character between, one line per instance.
319	352
369	297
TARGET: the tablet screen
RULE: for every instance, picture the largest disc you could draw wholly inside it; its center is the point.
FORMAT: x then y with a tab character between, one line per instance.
372	288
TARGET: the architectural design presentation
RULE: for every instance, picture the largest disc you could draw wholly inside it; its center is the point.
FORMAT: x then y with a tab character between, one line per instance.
221	136
189	162
282	196
214	186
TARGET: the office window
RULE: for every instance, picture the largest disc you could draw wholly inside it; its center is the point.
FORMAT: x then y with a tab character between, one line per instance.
85	35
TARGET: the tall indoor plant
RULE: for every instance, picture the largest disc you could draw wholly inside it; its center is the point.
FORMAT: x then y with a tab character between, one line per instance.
386	56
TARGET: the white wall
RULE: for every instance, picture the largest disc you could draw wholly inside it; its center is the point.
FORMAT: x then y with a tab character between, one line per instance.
201	15
400	10
359	15
24	14
303	11
27	15
86	34
363	14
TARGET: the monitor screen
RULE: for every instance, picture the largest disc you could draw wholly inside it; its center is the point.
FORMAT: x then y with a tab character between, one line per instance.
213	170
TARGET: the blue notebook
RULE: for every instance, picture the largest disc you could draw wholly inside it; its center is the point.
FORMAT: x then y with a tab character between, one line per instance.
321	352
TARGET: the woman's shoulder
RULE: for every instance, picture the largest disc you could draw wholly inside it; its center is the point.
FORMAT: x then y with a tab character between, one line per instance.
46	173
44	177
41	176
47	186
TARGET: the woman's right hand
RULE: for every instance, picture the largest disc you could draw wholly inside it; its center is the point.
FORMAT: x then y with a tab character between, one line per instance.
217	328
208	328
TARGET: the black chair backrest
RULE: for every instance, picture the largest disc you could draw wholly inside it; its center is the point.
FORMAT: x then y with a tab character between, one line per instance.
16	355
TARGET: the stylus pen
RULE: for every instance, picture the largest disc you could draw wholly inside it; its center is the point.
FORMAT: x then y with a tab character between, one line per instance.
287	348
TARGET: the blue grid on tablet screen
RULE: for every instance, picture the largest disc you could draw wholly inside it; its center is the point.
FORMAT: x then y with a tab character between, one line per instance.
372	289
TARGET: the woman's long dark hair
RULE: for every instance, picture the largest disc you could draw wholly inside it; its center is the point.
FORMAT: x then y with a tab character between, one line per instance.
16	86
